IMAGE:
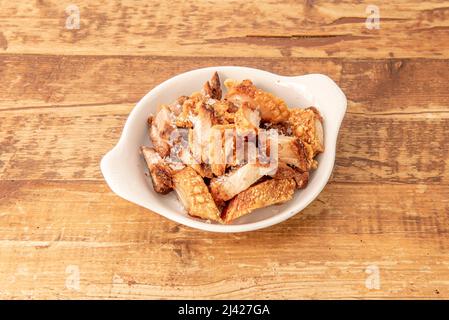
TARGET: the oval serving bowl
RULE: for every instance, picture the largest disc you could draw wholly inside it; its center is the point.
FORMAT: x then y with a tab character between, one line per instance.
123	167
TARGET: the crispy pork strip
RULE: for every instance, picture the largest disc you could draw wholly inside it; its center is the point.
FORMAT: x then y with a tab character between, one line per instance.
292	151
212	88
200	134
307	124
272	109
261	195
160	171
161	126
216	151
194	195
186	157
226	187
229	145
286	172
222	148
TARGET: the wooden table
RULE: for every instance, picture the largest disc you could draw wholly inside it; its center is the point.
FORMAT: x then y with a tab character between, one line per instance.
379	229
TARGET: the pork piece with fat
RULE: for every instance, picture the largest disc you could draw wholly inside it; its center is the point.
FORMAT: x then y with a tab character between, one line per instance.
160	171
292	151
181	151
194	195
226	187
307	125
222	148
217	152
200	134
272	109
210	95
261	195
161	127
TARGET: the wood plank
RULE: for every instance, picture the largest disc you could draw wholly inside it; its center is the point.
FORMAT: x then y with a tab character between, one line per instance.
62	99
57	144
228	29
124	251
375	87
65	96
25	151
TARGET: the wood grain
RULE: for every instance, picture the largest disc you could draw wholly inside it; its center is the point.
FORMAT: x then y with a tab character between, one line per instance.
388	100
65	96
374	87
228	28
125	251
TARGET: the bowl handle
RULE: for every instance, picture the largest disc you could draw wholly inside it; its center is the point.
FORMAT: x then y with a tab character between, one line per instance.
114	173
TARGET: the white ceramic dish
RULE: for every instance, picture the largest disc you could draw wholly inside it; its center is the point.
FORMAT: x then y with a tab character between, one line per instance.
123	167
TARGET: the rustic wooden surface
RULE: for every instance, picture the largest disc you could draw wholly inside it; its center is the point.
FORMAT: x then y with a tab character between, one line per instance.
379	229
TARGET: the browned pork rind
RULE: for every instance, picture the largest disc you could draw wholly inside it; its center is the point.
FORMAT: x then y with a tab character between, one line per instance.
307	125
261	195
161	127
194	195
226	187
272	109
284	171
160	171
292	151
226	157
212	88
